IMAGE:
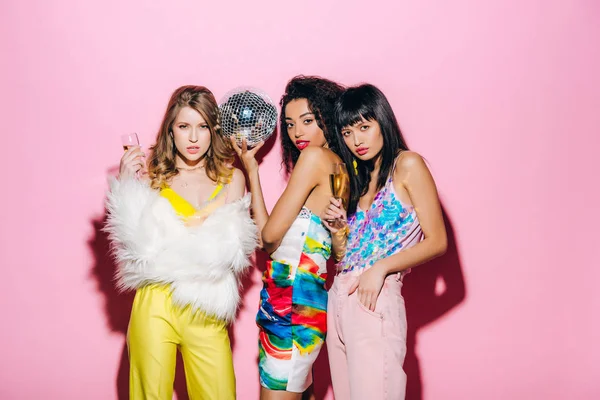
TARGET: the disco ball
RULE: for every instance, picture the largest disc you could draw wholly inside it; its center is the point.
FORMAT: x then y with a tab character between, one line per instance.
249	113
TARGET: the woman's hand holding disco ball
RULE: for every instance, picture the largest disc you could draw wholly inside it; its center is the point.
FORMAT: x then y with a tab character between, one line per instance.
247	157
247	113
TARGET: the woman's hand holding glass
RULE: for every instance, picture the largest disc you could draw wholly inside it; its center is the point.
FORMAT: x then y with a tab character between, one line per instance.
334	217
133	161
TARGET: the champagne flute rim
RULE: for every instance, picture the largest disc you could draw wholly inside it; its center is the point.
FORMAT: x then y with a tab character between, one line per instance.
130	139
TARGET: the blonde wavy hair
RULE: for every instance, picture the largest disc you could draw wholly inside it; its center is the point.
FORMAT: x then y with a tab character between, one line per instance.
219	156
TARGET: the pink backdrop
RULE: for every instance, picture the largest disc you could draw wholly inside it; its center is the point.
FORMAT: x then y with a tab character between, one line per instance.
502	97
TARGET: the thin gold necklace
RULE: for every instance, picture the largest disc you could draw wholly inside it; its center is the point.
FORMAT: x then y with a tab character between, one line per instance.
184	184
190	169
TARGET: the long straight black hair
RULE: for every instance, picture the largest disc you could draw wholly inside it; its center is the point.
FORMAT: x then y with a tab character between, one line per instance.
367	102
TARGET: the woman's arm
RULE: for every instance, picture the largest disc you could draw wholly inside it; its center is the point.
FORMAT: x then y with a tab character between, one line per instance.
414	175
304	178
259	209
248	159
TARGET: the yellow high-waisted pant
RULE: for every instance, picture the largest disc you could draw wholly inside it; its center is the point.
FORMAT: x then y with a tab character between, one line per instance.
158	328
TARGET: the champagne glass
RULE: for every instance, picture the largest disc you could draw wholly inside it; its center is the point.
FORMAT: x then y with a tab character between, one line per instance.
339	181
130	140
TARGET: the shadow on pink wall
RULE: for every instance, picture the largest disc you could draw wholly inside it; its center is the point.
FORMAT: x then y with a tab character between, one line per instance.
424	305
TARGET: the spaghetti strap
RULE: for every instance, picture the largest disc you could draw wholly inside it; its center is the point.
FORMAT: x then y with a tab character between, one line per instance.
226	193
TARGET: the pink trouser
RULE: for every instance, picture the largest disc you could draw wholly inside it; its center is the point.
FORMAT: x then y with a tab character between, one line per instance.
366	349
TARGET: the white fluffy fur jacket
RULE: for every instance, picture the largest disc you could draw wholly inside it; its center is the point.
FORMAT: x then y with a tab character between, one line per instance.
202	264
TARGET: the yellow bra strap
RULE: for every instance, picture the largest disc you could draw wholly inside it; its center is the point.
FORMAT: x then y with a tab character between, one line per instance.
216	192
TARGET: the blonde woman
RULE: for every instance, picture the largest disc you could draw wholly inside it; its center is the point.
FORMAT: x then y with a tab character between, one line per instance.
182	235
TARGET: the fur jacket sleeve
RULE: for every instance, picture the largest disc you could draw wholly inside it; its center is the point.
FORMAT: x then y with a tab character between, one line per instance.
202	264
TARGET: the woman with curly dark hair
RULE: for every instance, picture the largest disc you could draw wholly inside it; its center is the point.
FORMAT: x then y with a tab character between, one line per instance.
293	301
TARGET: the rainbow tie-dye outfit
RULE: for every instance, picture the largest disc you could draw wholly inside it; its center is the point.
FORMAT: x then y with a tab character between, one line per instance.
293	306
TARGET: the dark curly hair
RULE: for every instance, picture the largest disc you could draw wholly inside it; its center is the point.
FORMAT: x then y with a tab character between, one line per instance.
321	94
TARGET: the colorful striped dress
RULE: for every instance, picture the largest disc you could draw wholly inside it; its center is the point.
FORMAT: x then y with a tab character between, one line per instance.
293	304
